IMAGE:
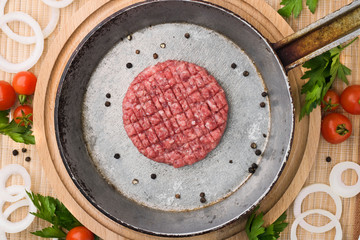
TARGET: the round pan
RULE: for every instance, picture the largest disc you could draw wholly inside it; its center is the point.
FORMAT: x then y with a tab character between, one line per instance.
80	156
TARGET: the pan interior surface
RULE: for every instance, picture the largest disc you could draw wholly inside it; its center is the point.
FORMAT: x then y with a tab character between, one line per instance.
90	134
225	169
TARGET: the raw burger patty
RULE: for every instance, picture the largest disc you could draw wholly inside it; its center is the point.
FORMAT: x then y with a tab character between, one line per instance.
175	112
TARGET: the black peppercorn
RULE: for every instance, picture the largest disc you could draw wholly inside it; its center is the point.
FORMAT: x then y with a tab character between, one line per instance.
246	73
203	200
254	166
187	35
251	170
107	104
258	152
108	95
24	150
153	176
117	155
233	65
129	65
328	159
15	152
262	104
155	56
202	194
264	94
28	159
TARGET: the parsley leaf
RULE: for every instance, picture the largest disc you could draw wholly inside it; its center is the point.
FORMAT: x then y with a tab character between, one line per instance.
52	210
4	119
255	230
16	132
312	4
324	69
50	232
295	7
290	6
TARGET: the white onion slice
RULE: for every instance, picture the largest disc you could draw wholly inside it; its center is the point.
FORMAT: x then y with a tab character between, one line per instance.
55	14
5	173
14	227
39	47
336	183
331	216
13	207
16	192
58	4
313	189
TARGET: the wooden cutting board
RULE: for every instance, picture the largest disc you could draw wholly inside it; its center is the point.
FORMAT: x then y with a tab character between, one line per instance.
256	12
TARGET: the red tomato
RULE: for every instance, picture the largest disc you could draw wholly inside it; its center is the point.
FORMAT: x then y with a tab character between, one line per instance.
80	233
331	101
350	99
7	96
21	115
24	83
336	128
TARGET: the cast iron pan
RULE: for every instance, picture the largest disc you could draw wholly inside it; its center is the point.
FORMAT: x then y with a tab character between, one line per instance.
108	169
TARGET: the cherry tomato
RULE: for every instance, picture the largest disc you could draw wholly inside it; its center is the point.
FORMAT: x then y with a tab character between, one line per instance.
7	96
80	233
336	128
23	115
331	101
350	99
24	83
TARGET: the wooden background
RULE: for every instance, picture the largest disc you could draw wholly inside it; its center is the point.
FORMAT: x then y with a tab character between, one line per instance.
347	151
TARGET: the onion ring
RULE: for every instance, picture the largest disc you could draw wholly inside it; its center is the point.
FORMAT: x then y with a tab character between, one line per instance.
14	227
312	189
58	4
16	192
5	173
55	14
331	216
13	207
39	47
336	183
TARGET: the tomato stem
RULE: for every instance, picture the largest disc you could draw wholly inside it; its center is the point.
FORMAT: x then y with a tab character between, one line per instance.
22	99
329	106
341	129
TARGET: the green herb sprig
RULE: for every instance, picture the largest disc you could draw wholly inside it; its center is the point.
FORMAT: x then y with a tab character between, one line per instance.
53	211
324	69
16	132
255	230
295	7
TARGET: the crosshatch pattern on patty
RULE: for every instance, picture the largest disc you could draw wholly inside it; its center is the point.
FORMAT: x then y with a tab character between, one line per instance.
175	112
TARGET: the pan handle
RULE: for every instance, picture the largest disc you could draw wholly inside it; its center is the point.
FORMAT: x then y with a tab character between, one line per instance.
319	37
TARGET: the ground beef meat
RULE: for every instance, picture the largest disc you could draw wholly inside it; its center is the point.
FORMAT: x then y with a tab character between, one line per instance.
175	113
